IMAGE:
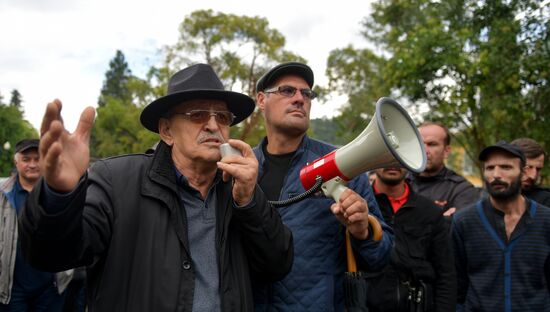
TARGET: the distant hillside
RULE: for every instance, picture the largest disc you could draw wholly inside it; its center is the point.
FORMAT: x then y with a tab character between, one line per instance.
325	130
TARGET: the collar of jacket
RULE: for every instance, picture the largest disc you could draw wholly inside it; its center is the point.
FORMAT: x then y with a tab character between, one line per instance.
161	177
410	202
442	174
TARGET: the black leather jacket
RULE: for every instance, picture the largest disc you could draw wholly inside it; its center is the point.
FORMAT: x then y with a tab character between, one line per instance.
126	223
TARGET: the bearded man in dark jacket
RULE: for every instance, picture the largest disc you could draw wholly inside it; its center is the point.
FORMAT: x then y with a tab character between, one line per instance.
176	230
421	274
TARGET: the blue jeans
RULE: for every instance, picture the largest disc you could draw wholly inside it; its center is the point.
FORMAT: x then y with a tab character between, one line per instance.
44	300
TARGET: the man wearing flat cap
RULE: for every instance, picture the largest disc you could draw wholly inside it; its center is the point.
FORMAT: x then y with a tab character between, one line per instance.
22	287
178	229
502	243
284	96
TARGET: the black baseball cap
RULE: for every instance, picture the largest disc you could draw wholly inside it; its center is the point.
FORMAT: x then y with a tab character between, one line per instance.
502	146
26	144
288	68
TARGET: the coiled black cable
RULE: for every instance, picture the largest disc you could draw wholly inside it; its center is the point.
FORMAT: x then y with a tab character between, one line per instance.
295	199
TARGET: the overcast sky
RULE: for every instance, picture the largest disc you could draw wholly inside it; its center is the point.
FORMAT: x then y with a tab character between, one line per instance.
62	48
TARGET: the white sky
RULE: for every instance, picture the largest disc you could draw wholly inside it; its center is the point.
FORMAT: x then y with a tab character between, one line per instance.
62	48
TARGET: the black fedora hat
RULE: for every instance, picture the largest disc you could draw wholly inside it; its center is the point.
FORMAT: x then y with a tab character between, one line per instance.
197	81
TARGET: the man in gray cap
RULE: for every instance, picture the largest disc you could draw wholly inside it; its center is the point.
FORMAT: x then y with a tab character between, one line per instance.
178	229
22	287
502	244
284	96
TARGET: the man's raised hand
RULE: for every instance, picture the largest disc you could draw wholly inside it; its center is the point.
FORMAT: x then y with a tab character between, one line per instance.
64	156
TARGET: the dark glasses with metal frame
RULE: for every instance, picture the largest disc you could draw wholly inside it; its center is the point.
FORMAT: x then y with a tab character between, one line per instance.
223	118
290	91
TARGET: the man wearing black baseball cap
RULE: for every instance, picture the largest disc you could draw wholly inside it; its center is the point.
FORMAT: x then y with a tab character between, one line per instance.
22	287
503	238
179	229
285	95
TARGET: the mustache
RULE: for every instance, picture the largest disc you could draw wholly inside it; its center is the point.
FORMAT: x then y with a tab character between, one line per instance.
205	136
499	183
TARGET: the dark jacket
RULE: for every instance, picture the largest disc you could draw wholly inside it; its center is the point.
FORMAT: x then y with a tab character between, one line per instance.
422	252
129	227
315	282
539	194
446	188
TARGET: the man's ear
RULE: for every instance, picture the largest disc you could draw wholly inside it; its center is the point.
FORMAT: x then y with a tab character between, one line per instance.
446	151
260	100
165	131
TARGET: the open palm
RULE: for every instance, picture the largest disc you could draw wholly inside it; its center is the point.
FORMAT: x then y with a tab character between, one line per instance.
64	156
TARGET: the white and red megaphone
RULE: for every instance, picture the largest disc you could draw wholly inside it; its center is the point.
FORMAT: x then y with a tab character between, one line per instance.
390	140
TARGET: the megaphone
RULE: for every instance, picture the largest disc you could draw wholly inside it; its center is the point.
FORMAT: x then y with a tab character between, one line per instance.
390	140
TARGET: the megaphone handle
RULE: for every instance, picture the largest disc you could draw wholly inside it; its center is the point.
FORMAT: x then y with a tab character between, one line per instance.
334	188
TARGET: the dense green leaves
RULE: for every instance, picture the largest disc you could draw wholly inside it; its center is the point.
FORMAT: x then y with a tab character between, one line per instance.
480	67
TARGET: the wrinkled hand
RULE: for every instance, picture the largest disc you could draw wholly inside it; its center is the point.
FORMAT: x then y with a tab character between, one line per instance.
64	156
352	211
243	169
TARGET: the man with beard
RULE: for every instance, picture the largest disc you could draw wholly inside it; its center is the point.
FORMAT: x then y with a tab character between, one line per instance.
442	185
502	243
421	273
534	156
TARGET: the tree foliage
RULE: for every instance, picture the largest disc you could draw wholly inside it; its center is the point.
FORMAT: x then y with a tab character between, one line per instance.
14	128
16	98
239	48
117	129
480	67
116	82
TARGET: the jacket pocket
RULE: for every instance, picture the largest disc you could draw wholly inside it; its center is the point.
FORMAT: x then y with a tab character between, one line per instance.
416	240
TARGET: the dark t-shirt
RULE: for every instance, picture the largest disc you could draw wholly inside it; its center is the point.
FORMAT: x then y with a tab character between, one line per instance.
275	169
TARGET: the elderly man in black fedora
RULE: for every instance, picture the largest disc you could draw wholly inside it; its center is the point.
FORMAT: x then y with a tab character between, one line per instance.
176	230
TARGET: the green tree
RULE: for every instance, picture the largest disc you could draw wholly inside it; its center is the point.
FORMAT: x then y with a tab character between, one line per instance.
16	99
355	73
480	67
14	128
117	129
116	80
240	48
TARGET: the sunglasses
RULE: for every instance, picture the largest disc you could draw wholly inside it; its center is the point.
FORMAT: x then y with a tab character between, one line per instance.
290	91
203	116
